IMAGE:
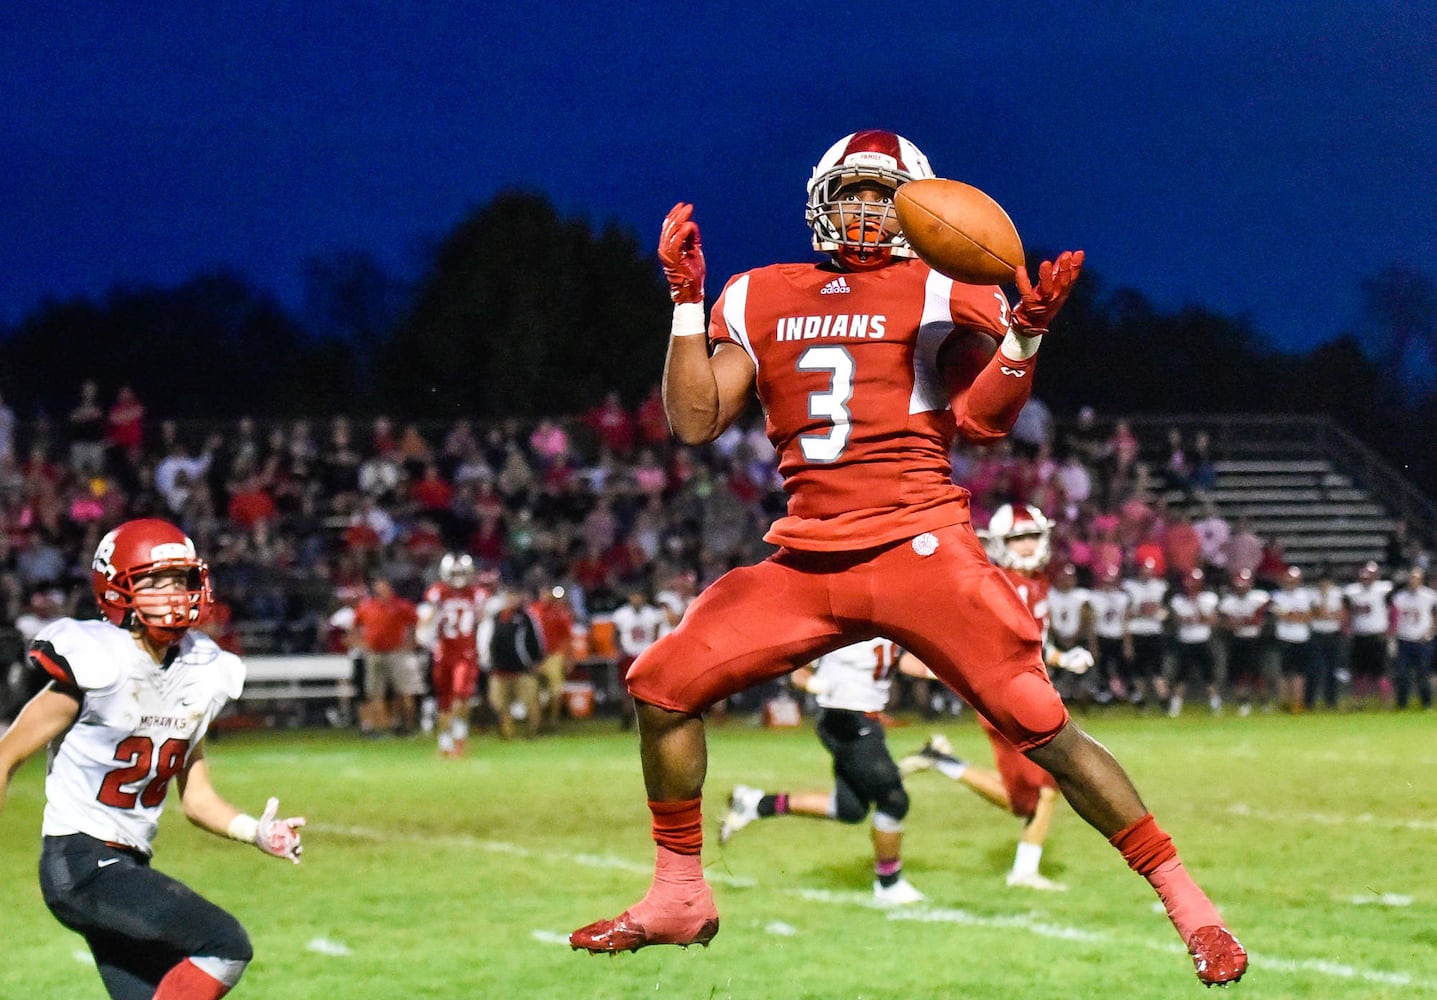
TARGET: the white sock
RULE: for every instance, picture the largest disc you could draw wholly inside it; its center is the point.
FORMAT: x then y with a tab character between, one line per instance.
446	743
1025	860
951	768
459	728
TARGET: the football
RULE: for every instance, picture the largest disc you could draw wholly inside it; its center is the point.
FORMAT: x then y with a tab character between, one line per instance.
959	231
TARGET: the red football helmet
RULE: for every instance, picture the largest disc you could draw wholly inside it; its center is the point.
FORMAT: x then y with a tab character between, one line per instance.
862	235
141	548
1193	580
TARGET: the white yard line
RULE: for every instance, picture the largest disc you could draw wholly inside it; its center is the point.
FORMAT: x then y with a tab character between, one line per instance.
926	914
1331	819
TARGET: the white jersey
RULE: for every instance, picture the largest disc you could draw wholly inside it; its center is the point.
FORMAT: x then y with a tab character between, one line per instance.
1293	611
137	726
636	628
1327	610
1415	608
857	678
1244	613
1110	612
1146	611
1194	615
1368	602
1065	613
673	605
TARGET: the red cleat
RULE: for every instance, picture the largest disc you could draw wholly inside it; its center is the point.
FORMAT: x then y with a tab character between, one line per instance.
624	933
1217	955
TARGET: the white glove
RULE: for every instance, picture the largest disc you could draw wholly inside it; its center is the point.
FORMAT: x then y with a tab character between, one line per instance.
812	685
1076	660
279	837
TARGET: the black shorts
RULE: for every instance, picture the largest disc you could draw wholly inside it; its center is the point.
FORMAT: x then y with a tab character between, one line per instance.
139	923
862	765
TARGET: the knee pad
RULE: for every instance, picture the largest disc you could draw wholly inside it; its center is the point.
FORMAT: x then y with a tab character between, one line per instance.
884	823
226	970
1029	711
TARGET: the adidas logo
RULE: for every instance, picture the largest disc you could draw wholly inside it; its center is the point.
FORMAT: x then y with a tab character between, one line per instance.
838	286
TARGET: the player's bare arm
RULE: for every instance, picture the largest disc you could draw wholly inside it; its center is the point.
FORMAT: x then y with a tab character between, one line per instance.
43	719
703	394
209	811
202	804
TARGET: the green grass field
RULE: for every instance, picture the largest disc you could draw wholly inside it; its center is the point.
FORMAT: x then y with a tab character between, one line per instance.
428	878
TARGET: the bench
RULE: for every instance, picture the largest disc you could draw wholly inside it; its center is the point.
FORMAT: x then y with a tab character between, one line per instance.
284	678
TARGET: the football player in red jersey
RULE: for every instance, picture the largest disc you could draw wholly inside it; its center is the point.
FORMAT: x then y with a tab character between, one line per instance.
867	366
1019	544
449	620
128	703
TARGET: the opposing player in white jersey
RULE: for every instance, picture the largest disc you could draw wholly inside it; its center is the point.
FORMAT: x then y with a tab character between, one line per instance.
852	686
1110	603
1372	626
126	710
1242	613
1071	624
1147	614
1415	605
1194	611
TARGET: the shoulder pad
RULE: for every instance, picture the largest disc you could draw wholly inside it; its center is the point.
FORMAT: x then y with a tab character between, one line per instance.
228	668
84	656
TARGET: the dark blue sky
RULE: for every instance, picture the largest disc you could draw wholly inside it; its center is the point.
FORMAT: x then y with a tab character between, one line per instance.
1258	161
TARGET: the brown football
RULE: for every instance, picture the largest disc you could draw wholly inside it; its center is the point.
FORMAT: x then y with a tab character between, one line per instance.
959	231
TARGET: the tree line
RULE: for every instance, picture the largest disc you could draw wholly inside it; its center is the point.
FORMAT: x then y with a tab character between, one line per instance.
522	312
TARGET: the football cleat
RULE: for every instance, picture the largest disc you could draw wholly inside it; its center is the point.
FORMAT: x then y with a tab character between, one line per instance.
936	749
1033	880
691	920
1217	955
900	893
742	810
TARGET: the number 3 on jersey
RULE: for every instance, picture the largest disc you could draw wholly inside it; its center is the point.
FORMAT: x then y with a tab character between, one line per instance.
832	404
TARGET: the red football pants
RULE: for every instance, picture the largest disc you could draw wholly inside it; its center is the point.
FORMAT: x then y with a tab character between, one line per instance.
455	681
950	607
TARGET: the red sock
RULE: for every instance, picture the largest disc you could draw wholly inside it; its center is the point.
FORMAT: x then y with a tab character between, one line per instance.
679	826
187	981
1150	852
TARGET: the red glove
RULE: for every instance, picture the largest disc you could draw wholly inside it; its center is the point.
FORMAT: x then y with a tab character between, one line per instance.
682	255
1037	306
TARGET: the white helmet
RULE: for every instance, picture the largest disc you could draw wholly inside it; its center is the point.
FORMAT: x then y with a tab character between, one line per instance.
456	568
872	155
1009	522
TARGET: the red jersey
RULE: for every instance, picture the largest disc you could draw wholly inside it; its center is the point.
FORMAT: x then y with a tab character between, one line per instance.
457	613
1033	589
384	624
857	407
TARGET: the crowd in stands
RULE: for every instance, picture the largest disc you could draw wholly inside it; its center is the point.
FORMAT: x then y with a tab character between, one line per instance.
299	516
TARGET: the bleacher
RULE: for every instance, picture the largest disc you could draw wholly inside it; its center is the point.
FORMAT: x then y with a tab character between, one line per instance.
1302	480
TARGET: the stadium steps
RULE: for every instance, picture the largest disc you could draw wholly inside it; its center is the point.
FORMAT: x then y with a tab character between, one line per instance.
1303	481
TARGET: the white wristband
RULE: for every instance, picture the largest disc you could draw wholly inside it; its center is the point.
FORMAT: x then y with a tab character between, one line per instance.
688	320
1020	347
243	828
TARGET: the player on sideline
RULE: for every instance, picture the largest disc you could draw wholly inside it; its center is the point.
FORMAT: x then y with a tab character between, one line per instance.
867	365
852	686
127	706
